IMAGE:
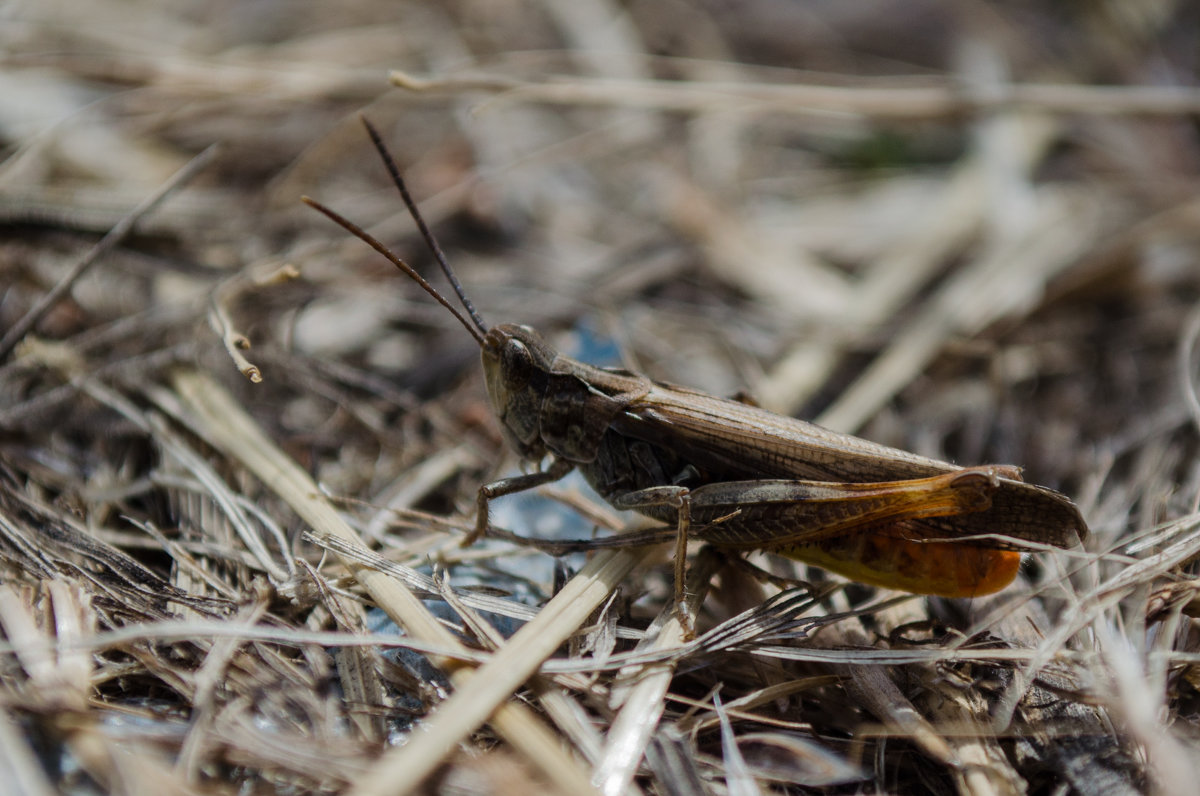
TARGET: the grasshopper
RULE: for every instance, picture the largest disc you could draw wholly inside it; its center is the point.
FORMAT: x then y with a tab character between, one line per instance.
737	476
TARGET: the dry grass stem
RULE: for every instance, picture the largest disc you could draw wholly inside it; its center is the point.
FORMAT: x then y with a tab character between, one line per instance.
884	101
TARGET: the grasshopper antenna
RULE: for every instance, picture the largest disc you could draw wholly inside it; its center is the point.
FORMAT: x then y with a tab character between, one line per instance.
431	241
476	329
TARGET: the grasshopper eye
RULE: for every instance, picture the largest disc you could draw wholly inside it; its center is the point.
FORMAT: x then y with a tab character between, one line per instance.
517	363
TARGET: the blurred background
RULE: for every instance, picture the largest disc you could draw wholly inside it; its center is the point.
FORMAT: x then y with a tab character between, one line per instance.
970	230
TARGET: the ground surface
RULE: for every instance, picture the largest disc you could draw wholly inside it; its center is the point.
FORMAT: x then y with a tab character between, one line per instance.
968	232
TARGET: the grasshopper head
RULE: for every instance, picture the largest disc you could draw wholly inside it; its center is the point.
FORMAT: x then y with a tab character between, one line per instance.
516	365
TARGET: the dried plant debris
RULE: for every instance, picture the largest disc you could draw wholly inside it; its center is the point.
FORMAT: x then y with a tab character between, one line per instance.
238	453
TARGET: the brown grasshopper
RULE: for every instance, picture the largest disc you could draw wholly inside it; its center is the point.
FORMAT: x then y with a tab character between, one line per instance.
740	477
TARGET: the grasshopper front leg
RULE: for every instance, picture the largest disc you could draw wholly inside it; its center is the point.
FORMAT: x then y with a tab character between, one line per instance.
508	486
